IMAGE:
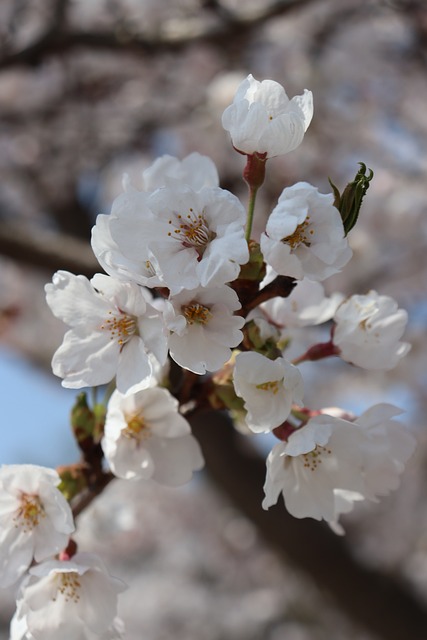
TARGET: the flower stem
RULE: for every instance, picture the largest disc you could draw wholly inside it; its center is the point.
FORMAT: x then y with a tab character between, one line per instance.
251	208
94	395
317	352
109	391
253	174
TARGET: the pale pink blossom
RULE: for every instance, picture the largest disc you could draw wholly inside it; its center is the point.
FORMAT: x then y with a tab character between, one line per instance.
262	119
318	461
114	329
306	305
268	388
304	236
195	170
72	599
203	327
146	437
35	519
368	329
196	237
388	448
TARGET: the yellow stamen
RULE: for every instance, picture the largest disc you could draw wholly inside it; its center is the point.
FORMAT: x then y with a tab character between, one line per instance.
29	513
299	236
196	313
122	327
312	459
69	586
272	385
136	429
192	231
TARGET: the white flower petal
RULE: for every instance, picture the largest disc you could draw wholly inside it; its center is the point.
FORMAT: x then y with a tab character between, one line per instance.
262	119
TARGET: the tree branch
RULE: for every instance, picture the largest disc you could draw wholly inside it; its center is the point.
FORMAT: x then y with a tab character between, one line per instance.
223	33
46	249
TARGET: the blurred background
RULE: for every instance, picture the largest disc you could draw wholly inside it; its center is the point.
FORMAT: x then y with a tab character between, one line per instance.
90	89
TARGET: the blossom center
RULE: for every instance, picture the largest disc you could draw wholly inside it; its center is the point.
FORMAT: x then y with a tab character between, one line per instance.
69	586
192	230
271	385
121	327
136	429
29	513
365	325
301	235
313	458
196	313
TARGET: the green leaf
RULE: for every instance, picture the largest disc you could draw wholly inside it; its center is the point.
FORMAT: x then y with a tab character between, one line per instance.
349	202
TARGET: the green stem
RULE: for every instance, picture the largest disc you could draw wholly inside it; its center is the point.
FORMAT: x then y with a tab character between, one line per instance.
251	208
109	392
94	395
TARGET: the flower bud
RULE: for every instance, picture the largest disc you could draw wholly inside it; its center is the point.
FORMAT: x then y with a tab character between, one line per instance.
87	424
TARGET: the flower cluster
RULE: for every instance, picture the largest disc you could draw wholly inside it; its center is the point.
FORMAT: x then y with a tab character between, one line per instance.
59	596
194	315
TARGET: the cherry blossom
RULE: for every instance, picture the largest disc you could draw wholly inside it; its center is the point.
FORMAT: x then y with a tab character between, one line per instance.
73	599
130	209
304	235
187	238
306	305
387	449
268	388
197	237
195	170
35	519
330	463
263	120
368	329
203	327
19	630
113	329
311	469
145	437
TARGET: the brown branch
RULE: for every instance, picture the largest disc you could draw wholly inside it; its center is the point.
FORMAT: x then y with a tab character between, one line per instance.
46	249
382	603
223	33
83	500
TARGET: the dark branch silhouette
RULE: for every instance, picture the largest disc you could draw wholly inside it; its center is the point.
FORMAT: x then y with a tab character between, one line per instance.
229	27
